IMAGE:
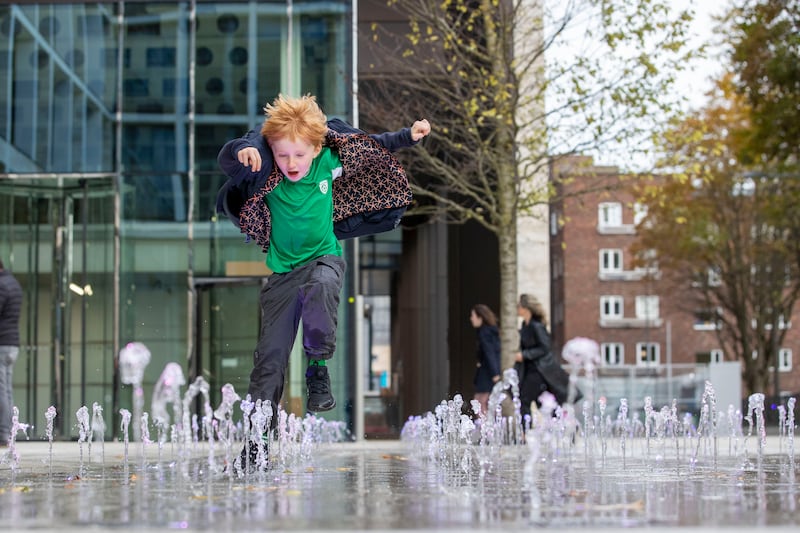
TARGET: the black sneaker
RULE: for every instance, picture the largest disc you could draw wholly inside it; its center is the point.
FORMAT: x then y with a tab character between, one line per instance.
318	386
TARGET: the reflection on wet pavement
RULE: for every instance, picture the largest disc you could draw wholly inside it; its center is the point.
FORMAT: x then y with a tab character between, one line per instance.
394	485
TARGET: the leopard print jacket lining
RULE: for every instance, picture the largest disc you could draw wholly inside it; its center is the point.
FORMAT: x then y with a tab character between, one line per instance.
372	180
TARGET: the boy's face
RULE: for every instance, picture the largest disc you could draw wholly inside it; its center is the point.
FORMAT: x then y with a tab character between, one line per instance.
294	157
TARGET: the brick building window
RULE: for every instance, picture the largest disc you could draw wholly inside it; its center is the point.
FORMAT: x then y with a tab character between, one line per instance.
610	260
613	353
707	320
709	357
785	360
647	307
610	307
609	215
647	353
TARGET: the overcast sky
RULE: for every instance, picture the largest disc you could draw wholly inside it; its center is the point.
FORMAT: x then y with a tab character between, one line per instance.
697	81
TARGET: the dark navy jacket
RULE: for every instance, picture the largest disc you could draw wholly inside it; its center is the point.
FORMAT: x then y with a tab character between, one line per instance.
488	358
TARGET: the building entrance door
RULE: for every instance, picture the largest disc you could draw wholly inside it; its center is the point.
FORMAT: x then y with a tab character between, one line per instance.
58	241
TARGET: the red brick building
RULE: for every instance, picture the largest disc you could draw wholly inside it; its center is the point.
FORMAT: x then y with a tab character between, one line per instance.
649	345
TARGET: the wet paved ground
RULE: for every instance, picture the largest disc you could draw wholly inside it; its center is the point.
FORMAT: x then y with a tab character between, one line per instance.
396	485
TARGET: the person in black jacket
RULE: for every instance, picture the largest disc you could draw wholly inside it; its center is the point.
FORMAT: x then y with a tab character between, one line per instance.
487	374
296	189
534	344
10	304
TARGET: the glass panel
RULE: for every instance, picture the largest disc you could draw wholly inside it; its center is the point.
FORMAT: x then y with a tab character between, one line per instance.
229	313
58	241
154	192
156	64
225	59
271	36
324	52
58	108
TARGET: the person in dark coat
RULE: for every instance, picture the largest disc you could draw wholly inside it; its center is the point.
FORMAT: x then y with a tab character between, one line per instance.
534	344
10	305
487	373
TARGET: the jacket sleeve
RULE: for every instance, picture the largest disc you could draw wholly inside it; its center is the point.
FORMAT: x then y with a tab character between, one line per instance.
239	173
542	346
391	140
394	140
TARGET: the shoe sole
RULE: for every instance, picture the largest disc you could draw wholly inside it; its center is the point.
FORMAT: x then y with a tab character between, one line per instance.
320	408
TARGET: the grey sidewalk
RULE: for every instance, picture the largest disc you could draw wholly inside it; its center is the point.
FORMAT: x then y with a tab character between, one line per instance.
390	485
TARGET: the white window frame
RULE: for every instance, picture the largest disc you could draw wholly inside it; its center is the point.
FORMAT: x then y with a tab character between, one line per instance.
782	324
610	260
614	304
653	352
613	353
609	214
785	360
716	356
647	307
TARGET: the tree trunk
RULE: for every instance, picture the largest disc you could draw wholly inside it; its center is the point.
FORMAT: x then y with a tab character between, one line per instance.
509	336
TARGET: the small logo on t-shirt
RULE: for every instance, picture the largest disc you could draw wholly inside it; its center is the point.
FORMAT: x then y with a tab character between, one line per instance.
323	187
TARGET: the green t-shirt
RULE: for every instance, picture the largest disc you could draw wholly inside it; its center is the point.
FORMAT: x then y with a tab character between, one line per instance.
302	216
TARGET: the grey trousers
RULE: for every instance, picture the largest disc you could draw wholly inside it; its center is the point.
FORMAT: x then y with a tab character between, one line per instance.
8	356
310	292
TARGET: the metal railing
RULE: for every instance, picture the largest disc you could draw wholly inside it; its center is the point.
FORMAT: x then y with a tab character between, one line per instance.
683	382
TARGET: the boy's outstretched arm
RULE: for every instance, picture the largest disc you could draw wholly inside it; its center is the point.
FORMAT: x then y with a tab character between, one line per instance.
394	140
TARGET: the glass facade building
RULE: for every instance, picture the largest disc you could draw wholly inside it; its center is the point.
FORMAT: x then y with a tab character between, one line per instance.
111	118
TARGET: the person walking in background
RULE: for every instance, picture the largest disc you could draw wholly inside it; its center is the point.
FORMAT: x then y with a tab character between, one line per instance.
10	305
487	373
534	345
538	367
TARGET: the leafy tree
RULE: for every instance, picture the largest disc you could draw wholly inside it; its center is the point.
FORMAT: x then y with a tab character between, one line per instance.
764	41
508	83
724	233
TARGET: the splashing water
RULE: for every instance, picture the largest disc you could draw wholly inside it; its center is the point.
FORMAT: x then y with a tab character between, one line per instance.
82	416
98	429
667	441
124	424
464	444
133	359
16	428
167	391
790	426
199	387
226	428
